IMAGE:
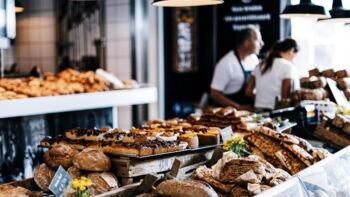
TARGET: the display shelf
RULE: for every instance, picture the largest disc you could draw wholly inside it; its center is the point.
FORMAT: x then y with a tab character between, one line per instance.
77	102
329	177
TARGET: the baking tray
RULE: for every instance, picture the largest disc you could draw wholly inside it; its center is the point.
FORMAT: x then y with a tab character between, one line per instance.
186	151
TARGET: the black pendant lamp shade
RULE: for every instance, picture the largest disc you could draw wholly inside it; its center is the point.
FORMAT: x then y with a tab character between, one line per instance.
185	3
338	13
304	9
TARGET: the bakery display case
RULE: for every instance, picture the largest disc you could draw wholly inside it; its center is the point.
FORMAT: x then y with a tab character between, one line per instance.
329	177
185	154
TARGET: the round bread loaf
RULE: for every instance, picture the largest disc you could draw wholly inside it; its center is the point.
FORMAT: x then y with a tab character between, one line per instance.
60	155
43	176
92	160
102	182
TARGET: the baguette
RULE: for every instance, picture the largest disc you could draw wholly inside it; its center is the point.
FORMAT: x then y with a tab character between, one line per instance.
300	153
277	135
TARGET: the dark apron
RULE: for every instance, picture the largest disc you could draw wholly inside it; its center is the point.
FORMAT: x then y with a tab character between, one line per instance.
239	96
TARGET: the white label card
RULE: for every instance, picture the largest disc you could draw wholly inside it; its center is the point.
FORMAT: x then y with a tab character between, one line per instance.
226	133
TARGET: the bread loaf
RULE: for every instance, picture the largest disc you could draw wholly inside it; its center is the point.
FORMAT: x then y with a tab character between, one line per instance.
11	191
43	176
103	182
59	155
92	160
176	188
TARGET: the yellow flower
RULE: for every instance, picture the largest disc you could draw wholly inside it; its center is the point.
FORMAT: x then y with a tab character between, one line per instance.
82	188
81	184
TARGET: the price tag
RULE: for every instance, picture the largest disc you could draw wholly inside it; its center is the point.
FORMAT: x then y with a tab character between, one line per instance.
226	133
60	182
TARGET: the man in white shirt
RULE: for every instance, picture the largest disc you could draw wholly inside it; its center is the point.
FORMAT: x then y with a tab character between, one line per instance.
233	70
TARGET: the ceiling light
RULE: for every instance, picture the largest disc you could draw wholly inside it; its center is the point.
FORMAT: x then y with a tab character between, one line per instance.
185	3
304	9
19	7
338	13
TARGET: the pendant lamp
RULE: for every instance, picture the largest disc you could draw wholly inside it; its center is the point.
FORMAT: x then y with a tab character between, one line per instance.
185	3
18	6
304	9
338	13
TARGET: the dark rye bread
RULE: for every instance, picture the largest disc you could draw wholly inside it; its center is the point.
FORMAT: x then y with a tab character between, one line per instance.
203	173
187	188
237	167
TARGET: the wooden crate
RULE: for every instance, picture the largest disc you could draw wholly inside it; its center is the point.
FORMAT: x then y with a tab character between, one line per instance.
127	168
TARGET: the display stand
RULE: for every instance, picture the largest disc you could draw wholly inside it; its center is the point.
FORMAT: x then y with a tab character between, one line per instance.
78	102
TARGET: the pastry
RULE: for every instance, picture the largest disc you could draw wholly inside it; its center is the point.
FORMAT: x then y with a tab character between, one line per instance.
43	176
92	160
191	138
60	155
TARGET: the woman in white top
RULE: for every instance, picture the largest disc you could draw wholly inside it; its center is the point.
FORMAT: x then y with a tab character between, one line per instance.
274	76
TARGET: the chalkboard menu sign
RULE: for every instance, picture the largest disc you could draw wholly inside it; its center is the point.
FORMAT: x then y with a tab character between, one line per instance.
235	15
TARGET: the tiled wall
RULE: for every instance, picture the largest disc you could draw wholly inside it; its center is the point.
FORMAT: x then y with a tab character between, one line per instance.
36	36
119	48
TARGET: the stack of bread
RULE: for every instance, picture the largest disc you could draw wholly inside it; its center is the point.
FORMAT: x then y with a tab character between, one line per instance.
312	87
91	163
69	81
66	82
335	130
343	81
285	151
240	121
246	176
230	176
157	137
220	117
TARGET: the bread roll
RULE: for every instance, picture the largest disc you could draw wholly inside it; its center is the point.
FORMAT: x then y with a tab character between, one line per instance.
92	160
341	74
60	155
43	176
314	72
176	188
102	182
329	73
